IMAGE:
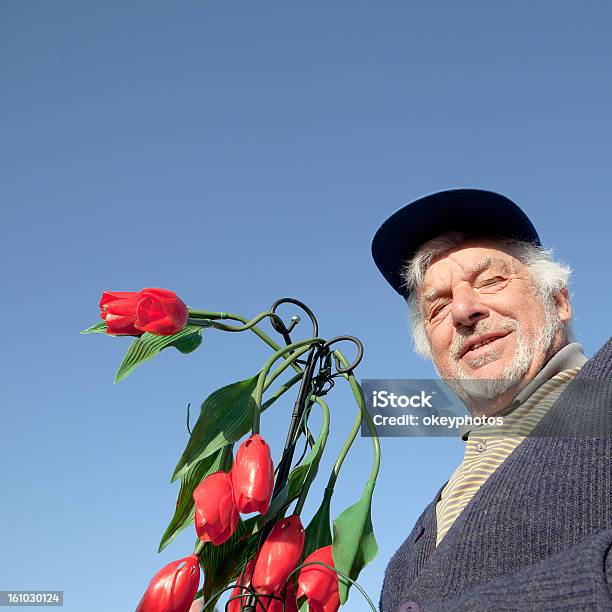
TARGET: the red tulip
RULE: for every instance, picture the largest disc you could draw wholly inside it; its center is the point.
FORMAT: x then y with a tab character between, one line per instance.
118	309
235	605
173	588
160	312
279	555
319	583
253	476
216	516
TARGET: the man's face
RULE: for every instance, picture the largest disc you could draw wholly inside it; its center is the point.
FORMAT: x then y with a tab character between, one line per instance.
484	318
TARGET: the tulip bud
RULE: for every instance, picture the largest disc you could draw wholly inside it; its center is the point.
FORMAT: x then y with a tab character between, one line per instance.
118	309
279	555
160	312
173	588
216	516
253	476
319	583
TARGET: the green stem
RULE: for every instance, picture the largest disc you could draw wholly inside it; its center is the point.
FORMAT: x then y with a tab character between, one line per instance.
249	324
226	458
344	451
362	415
258	332
235	317
311	440
298	349
286	363
207	314
282	389
358	395
312	471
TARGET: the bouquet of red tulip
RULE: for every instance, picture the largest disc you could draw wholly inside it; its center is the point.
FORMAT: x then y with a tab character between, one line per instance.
270	561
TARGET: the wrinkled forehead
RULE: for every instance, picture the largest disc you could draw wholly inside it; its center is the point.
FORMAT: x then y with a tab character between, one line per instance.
465	262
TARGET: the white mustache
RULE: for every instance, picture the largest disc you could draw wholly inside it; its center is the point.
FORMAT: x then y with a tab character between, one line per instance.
485	326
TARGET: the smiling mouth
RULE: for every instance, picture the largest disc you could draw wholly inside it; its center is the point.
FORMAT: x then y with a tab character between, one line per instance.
481	345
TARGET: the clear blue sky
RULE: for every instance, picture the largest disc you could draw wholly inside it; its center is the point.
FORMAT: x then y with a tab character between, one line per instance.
237	153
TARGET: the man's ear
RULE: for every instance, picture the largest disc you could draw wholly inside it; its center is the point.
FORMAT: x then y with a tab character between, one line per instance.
562	302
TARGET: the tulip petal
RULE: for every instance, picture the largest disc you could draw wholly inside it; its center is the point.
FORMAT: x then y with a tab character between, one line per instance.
149	310
118	309
253	476
160	314
121	326
216	516
110	296
158	292
318	581
126	307
279	555
173	588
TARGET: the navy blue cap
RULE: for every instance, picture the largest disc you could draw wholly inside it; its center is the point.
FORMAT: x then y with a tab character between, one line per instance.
474	212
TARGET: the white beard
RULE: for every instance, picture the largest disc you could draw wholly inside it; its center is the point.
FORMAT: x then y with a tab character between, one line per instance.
472	390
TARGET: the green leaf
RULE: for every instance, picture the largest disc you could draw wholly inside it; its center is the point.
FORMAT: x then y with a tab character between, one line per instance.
354	542
97	328
148	345
188	344
318	533
226	416
185	507
223	564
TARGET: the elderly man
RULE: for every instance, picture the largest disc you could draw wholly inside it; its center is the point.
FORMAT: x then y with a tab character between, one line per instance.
525	521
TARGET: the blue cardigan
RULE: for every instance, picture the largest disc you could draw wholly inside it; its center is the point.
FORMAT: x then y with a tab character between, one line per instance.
538	534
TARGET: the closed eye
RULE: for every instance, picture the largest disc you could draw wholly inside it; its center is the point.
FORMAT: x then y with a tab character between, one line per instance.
436	310
491	281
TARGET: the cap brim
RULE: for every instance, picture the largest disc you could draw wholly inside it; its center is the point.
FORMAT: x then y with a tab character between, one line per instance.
474	212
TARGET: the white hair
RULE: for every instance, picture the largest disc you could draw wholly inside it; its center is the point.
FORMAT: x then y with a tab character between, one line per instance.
549	276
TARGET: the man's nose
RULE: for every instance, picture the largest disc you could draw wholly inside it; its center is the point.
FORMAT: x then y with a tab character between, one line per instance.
467	308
